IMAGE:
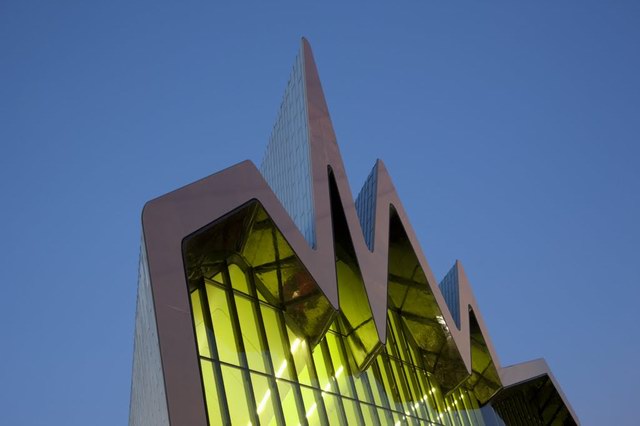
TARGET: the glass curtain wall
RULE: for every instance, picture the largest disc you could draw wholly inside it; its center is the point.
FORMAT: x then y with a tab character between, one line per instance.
257	371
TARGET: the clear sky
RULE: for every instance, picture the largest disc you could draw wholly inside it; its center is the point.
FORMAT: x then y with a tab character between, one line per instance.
511	130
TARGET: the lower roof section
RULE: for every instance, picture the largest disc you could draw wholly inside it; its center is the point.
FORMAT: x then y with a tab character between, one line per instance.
534	382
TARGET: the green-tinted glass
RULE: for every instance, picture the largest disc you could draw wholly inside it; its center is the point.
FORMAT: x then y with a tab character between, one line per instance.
352	411
300	354
399	337
401	383
325	378
376	388
291	407
369	414
312	412
388	384
360	330
264	399
427	395
270	284
340	366
391	347
211	392
282	279
417	407
281	377
362	388
238	278
277	347
335	412
199	324
236	390
218	278
251	338
386	418
362	336
222	326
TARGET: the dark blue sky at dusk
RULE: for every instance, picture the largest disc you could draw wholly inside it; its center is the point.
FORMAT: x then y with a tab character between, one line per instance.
511	131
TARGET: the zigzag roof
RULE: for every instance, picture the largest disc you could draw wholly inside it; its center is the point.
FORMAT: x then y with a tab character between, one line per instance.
377	224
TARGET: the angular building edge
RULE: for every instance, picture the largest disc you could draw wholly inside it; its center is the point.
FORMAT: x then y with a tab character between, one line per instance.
148	404
167	220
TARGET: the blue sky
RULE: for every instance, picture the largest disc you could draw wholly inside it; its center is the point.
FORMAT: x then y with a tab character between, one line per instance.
511	130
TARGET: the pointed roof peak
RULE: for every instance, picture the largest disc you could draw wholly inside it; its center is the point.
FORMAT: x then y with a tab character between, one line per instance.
305	43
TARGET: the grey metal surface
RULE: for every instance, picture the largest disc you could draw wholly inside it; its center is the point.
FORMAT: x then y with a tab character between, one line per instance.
366	207
286	165
148	404
450	290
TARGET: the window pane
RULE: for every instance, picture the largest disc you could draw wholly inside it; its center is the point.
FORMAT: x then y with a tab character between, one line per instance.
311	407
238	279
351	411
386	418
289	404
377	389
277	347
234	387
211	392
389	387
369	414
335	412
362	389
339	365
250	337
321	369
300	353
225	339
199	324
264	399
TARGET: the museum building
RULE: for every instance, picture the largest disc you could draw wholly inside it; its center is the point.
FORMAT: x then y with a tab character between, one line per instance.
270	296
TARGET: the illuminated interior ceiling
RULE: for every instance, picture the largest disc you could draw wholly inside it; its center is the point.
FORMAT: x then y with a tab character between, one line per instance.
287	301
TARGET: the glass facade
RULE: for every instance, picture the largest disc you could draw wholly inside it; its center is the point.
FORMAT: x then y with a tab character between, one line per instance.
262	363
273	351
257	370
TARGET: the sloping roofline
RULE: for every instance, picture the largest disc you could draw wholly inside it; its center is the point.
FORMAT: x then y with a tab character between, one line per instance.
168	219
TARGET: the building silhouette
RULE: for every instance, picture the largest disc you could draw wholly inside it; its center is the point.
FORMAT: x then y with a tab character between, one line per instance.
269	296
